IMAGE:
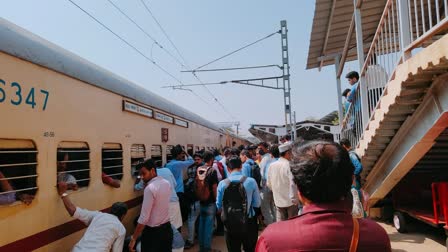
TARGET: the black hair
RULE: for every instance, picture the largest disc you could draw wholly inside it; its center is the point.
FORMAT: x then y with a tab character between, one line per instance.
227	151
158	163
208	156
288	137
261	152
245	153
345	93
235	151
197	154
148	164
322	171
352	74
274	151
346	142
216	152
176	150
241	147
264	144
234	162
61	155
119	209
252	147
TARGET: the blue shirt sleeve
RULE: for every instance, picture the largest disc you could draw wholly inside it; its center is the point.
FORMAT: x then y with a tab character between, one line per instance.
356	163
220	194
246	169
256	199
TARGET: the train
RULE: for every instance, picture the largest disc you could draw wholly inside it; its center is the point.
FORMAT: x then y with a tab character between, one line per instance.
54	104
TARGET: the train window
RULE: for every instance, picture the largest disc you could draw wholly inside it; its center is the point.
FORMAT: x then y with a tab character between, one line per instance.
197	148
112	160
18	161
73	164
168	153
138	154
190	149
156	153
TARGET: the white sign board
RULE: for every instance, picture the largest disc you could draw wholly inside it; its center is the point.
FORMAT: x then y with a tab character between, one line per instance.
163	117
131	107
181	122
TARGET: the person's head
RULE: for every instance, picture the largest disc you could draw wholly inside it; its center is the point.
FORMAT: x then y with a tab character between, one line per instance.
158	163
147	170
62	161
285	150
259	154
264	146
346	93
345	143
227	152
234	163
241	147
235	151
275	153
216	152
119	209
287	138
197	159
233	143
208	158
352	77
244	155
322	171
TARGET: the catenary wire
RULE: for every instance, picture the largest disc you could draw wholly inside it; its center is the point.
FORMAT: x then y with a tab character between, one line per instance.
146	33
126	42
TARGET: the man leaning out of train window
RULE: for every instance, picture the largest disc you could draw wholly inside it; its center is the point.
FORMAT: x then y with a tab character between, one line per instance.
64	176
8	195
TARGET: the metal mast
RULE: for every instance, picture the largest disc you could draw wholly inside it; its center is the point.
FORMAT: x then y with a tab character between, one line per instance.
286	81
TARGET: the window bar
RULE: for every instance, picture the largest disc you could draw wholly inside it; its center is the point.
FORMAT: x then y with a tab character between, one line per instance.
72	171
19	190
115	174
17	164
80	180
411	26
437	11
19	177
18	152
430	13
422	10
75	161
112	166
416	19
112	150
73	151
108	159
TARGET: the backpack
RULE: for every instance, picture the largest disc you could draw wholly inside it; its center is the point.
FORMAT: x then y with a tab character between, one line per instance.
201	187
220	168
234	215
256	173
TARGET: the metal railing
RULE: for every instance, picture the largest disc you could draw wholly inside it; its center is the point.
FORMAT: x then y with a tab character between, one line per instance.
405	25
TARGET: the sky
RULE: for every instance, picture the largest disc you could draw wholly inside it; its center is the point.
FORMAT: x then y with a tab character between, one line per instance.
202	30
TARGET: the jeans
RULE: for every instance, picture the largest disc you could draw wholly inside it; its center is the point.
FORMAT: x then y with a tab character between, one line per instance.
249	240
285	213
267	205
195	208
206	220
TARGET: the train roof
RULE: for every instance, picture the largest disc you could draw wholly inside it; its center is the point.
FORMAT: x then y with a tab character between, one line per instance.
23	44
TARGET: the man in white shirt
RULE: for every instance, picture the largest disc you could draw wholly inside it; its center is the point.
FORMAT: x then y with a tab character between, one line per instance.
105	232
279	180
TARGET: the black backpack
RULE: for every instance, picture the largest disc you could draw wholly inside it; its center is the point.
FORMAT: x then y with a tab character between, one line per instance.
256	173
234	204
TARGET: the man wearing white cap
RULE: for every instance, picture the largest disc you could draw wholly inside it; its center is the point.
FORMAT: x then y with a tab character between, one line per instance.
282	186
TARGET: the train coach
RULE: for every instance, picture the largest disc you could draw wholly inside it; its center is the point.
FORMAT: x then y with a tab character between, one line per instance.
58	108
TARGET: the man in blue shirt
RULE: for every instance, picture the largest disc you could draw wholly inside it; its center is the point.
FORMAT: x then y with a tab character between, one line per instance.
177	165
354	99
356	161
267	199
247	163
249	240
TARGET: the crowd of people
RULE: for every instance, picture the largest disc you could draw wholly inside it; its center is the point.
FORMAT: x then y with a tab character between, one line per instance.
304	196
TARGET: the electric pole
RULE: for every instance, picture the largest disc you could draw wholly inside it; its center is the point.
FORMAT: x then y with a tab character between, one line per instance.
286	79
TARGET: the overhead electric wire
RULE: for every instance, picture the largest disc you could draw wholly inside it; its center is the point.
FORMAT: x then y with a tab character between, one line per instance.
230	69
237	50
180	54
146	33
163	31
127	43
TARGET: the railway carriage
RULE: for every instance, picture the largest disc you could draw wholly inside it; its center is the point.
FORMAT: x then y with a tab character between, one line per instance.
53	102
